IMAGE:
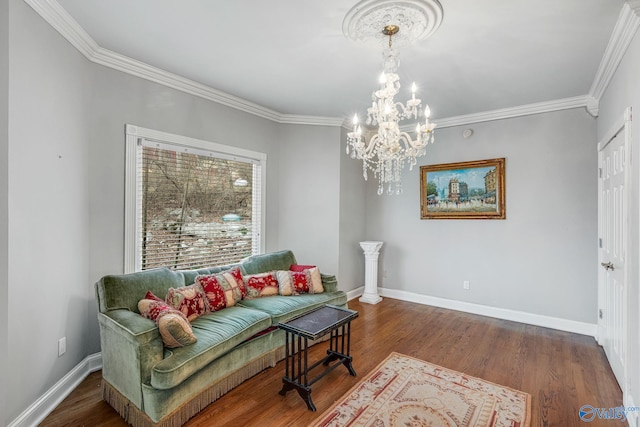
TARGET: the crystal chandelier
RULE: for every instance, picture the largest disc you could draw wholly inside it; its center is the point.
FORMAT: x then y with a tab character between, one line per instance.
388	149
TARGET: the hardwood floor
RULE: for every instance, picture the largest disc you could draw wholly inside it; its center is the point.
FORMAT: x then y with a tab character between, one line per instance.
561	371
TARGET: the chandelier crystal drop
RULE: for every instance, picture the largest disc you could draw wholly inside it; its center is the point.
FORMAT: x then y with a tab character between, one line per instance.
390	147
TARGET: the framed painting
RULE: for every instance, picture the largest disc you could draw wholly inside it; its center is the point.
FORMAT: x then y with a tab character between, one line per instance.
465	190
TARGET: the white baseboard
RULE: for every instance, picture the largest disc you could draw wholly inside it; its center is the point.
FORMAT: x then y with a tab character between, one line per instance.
355	293
485	310
42	407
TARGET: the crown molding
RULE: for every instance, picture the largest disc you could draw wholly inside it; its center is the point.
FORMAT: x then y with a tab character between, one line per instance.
297	119
52	12
145	71
508	113
634	5
593	106
64	23
623	33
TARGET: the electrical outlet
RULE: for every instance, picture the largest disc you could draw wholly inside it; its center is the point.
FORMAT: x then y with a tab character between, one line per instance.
62	346
384	274
465	285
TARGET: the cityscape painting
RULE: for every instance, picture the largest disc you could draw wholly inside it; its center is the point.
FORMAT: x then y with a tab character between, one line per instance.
466	190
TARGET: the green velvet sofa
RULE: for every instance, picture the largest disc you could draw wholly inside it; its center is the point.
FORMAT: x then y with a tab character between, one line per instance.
151	385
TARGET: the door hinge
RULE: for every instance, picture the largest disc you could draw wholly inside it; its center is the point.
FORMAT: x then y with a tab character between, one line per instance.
600	242
600	313
599	172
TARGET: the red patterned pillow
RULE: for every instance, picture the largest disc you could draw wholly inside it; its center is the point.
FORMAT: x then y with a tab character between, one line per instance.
294	282
189	300
235	275
261	285
214	291
301	281
316	278
151	295
232	292
174	328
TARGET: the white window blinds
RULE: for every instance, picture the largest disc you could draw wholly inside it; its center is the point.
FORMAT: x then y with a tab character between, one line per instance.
194	207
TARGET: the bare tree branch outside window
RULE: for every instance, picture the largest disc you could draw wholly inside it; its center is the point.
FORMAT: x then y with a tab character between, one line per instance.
196	210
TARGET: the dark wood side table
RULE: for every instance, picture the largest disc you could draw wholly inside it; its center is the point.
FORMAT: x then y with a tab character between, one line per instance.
313	325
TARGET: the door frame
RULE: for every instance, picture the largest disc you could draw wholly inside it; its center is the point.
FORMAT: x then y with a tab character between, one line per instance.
621	128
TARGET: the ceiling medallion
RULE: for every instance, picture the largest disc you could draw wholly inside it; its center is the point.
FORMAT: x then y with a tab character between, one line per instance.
417	18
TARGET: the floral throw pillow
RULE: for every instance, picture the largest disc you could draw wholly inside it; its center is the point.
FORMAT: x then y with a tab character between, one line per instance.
190	300
261	285
316	278
232	291
235	275
174	328
213	291
294	282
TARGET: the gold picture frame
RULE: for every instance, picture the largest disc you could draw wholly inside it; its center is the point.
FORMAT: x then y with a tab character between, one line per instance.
463	190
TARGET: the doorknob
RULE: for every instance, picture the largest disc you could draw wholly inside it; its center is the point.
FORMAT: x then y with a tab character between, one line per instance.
607	265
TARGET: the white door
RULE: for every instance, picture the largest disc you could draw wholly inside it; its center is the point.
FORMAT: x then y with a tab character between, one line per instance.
612	284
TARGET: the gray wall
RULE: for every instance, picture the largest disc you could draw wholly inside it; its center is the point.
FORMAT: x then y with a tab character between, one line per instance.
541	259
623	92
352	219
48	217
4	186
309	183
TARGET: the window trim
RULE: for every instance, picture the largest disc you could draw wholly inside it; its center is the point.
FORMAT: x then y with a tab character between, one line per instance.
133	137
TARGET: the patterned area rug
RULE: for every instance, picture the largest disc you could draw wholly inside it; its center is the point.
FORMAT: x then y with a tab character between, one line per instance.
407	392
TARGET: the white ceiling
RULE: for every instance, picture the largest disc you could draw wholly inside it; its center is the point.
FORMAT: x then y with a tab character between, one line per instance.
292	57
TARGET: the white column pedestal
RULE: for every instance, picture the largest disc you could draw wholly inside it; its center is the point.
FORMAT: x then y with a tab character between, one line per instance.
371	252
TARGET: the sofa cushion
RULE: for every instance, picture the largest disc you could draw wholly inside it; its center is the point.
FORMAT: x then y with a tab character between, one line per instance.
282	308
217	333
125	290
272	261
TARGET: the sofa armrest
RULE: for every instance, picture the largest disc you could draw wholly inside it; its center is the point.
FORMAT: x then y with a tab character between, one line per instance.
329	282
131	347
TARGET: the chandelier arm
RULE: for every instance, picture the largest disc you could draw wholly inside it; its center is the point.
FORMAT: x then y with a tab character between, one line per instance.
408	111
367	151
410	143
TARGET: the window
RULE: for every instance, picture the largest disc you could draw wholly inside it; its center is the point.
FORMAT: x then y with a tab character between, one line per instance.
190	203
